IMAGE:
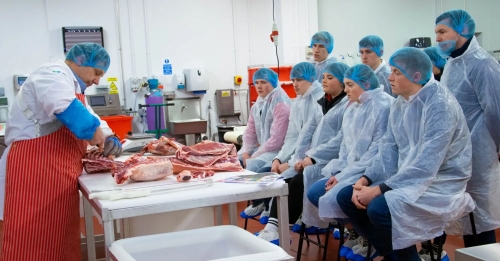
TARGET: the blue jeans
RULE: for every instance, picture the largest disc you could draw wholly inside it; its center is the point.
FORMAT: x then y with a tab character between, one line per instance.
316	191
375	224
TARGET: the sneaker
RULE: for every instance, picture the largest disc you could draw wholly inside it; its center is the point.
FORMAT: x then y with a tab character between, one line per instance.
251	211
336	233
270	236
346	248
360	251
426	256
264	217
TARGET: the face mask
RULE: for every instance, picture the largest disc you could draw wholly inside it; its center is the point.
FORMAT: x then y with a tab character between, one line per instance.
446	47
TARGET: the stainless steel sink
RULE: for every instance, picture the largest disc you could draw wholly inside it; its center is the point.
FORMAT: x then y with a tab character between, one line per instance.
187	127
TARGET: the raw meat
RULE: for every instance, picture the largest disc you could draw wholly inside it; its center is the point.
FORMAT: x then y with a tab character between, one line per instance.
187	175
163	146
95	162
138	168
206	153
184	176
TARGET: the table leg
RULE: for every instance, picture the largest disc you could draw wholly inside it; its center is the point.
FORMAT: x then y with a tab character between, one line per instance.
109	236
89	229
284	233
233	214
218	215
125	228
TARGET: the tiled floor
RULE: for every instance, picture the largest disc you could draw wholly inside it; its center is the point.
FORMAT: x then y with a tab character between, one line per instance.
311	253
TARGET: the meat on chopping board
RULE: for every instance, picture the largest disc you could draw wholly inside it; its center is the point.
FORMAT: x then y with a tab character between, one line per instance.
95	162
138	168
163	146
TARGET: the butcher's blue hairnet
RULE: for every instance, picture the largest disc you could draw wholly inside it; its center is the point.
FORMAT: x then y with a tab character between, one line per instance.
89	55
364	76
337	69
303	70
373	43
324	38
411	60
267	75
436	59
460	21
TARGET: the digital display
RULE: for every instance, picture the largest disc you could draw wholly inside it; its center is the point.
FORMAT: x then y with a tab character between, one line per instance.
97	101
21	80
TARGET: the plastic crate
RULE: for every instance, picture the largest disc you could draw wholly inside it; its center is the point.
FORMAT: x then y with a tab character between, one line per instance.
121	124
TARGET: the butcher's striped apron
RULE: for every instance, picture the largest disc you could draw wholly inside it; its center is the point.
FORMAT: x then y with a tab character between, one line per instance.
42	218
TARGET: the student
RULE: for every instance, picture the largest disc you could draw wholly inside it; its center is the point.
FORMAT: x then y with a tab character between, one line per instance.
320	134
364	123
308	91
268	121
322	47
473	76
371	49
416	185
438	62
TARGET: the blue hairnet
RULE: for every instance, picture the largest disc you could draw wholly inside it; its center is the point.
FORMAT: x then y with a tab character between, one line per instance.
373	43
364	76
460	21
89	55
267	75
303	70
324	38
336	69
411	60
436	59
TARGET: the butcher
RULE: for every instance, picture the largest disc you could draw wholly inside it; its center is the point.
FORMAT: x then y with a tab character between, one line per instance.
48	130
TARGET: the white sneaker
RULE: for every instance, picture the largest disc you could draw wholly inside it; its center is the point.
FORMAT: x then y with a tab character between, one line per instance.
252	211
264	217
346	248
426	256
360	251
270	236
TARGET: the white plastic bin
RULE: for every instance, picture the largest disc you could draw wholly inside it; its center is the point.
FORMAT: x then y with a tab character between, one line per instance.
221	243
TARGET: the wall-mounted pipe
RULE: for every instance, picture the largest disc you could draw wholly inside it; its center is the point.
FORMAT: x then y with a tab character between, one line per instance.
120	51
131	34
146	30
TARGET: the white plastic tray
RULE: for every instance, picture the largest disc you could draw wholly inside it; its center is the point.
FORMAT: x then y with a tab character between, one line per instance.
219	243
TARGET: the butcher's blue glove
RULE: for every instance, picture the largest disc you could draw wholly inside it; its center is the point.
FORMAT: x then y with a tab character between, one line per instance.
112	146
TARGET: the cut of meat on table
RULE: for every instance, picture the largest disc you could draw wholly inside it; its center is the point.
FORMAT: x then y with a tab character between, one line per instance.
139	168
163	146
95	162
207	155
187	175
184	176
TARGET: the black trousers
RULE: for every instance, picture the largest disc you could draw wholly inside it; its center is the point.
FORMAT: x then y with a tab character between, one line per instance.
295	196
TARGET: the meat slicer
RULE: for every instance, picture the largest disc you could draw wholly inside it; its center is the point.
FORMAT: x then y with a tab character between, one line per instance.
135	142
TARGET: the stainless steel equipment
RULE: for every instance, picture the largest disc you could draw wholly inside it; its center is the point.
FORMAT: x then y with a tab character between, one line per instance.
225	103
105	104
184	118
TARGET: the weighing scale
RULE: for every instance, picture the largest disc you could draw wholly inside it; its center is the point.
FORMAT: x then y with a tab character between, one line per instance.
135	142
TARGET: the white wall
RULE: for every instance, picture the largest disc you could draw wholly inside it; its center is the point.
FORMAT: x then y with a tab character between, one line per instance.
224	36
396	21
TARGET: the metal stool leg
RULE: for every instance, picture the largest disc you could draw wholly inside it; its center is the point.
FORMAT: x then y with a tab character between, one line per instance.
326	241
429	242
341	241
474	231
301	241
368	255
246	219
